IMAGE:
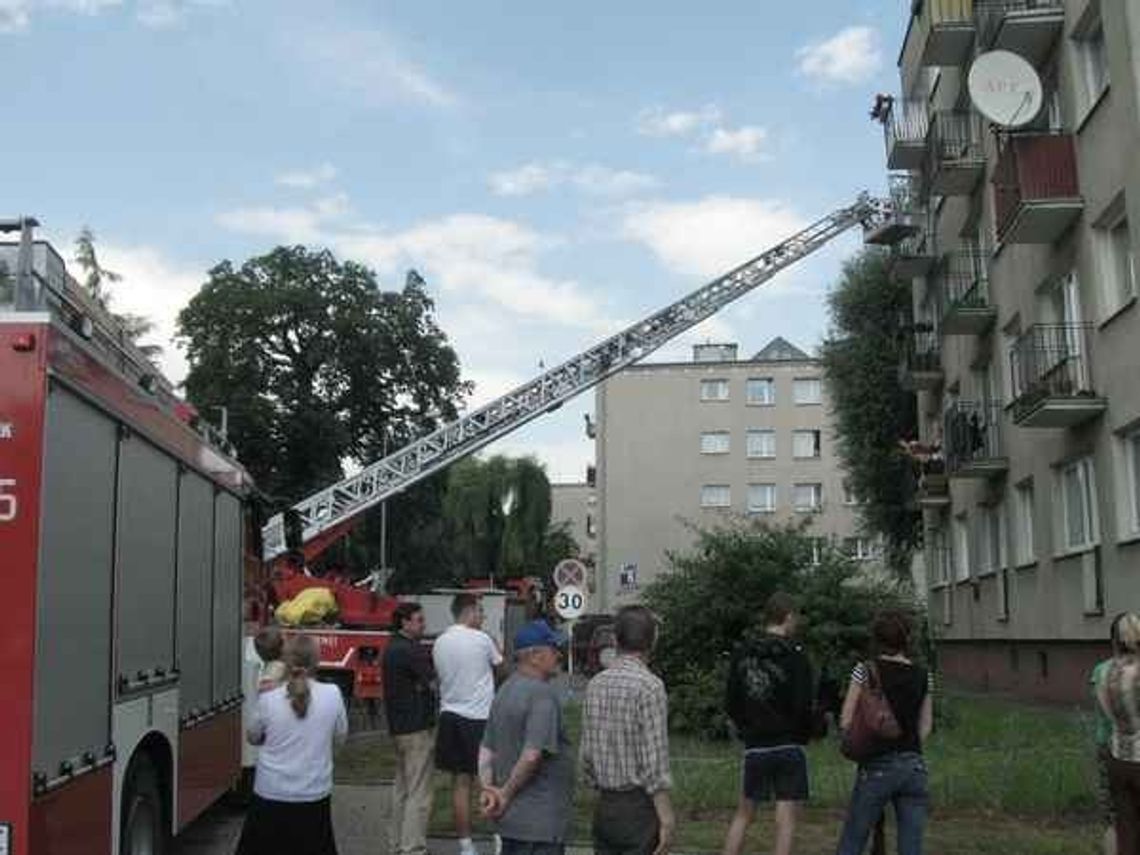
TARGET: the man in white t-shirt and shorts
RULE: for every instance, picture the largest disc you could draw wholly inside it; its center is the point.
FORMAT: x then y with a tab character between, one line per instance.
465	660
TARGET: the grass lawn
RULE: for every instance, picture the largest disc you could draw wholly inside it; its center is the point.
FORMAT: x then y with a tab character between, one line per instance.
1006	779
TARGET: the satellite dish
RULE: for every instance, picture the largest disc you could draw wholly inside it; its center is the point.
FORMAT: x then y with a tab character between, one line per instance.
1005	88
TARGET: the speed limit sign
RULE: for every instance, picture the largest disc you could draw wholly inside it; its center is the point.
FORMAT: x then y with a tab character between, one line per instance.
569	602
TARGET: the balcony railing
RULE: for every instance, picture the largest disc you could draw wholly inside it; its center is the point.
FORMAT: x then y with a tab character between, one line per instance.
1026	27
922	361
941	33
1036	193
1053	378
964	284
956	156
972	439
907	211
916	254
904	130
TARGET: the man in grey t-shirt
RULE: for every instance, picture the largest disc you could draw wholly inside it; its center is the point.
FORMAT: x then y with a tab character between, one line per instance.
526	767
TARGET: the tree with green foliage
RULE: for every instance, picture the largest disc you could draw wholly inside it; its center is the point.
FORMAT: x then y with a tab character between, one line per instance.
870	312
714	596
97	280
316	365
497	519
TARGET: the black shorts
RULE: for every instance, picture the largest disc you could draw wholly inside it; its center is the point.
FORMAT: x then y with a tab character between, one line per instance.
776	773
457	743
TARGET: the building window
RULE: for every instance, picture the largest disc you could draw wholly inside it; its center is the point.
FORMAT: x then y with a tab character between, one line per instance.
761	391
714	442
591	527
806	390
807	497
1128	497
714	390
761	443
818	545
991	539
1093	60
1023	523
806	443
961	548
1117	264
761	498
716	496
1076	486
849	497
860	548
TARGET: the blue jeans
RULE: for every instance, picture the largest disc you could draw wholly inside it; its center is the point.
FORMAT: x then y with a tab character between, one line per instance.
899	778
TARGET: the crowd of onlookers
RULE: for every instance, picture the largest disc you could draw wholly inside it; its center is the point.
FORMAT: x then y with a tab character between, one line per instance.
509	747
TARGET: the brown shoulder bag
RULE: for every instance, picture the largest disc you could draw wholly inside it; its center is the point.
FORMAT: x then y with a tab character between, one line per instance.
873	722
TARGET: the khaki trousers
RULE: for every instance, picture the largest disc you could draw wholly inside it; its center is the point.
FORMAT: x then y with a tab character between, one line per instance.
411	797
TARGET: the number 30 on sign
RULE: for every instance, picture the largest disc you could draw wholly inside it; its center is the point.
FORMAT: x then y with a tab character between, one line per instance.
569	602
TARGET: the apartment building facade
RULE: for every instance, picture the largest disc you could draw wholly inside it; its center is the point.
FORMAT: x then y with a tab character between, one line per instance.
683	444
1025	352
575	505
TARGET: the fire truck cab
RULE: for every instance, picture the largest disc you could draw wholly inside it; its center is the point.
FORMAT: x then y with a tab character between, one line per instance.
125	526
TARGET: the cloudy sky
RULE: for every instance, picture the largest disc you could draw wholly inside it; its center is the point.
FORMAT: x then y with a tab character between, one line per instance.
553	170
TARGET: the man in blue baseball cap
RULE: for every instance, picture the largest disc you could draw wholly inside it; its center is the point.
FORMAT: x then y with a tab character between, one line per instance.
526	767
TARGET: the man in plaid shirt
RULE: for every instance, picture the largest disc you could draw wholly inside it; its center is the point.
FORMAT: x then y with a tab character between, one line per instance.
625	745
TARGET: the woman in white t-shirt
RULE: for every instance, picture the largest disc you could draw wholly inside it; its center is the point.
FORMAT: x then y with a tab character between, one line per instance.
296	726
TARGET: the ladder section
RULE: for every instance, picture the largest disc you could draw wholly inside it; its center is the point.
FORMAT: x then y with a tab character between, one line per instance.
337	504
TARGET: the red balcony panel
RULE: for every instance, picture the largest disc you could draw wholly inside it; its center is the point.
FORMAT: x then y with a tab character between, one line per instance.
1036	192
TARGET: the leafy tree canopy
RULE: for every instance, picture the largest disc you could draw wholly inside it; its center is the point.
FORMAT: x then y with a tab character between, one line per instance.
316	364
715	595
869	315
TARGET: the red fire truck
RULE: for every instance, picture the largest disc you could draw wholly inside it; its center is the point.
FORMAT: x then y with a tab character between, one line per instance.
135	565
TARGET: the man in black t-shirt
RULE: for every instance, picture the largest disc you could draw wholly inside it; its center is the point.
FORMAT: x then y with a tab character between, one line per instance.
769	699
409	699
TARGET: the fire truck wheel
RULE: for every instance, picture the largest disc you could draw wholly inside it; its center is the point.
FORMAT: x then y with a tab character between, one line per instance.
143	830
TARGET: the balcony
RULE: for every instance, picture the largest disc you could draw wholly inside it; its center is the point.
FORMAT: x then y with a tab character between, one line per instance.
907	212
934	486
941	33
1036	195
972	440
1052	376
905	125
964	283
1026	27
915	255
956	158
921	367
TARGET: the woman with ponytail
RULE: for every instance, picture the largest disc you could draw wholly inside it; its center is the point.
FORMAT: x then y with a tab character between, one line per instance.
296	726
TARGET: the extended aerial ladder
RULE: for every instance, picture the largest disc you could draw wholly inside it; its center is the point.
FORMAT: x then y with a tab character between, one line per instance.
325	515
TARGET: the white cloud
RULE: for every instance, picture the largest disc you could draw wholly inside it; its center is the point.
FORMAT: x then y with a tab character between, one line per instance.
656	122
745	143
157	288
290	225
592	179
14	15
368	63
850	56
711	235
83	7
565	460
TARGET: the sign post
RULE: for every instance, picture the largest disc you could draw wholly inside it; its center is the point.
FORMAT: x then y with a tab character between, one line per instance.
570	604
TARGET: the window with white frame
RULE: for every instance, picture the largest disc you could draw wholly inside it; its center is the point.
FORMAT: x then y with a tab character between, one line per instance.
806	390
807	497
860	548
849	497
1117	262
716	496
760	391
1023	545
991	538
961	548
1128	498
761	498
714	390
818	545
714	442
806	443
761	444
1076	492
1092	58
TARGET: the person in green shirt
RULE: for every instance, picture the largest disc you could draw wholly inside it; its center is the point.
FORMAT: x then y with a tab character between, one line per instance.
1102	732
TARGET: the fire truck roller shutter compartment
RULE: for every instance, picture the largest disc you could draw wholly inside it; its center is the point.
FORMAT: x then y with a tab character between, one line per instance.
227	597
144	592
195	593
73	609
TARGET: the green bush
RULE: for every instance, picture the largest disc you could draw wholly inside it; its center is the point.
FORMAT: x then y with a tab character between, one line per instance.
715	596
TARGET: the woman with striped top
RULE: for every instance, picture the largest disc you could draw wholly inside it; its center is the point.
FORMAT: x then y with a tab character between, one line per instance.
1118	692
